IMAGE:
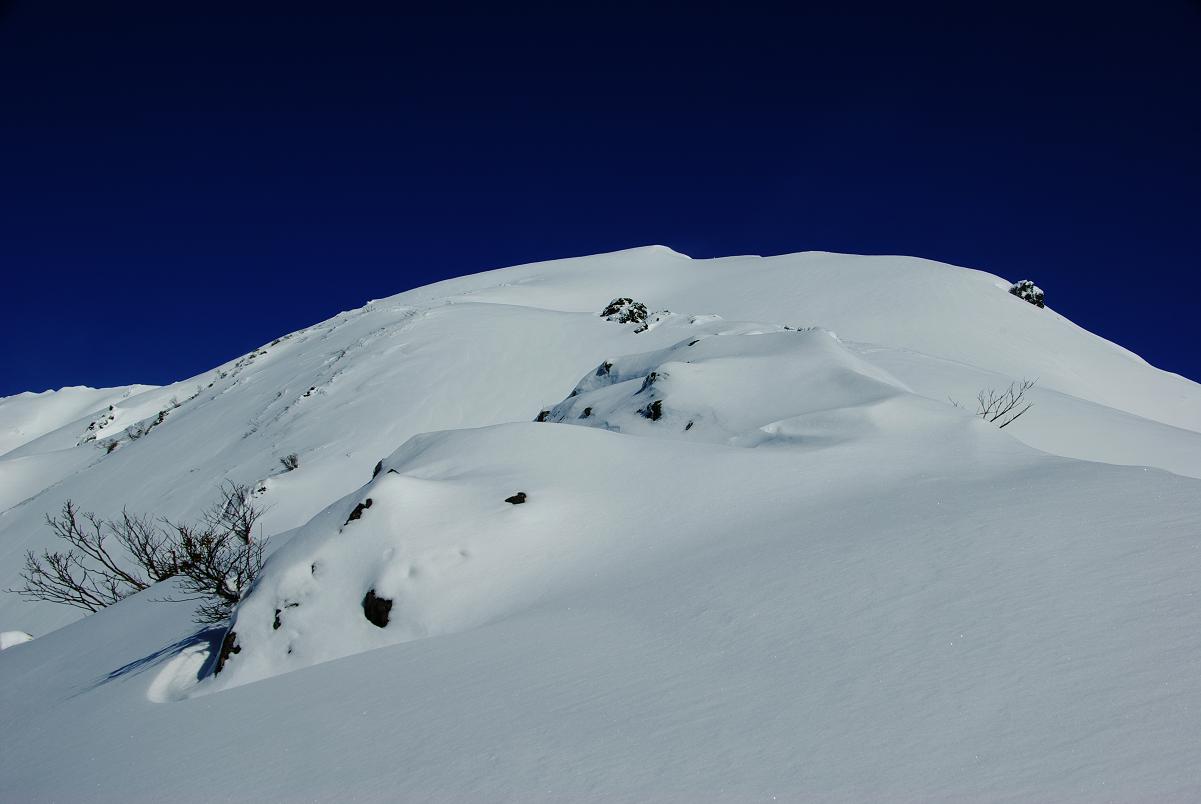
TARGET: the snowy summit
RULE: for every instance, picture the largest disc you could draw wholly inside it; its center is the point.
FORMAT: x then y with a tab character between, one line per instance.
631	526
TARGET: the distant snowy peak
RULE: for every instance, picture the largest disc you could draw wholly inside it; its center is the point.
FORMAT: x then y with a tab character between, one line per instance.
939	310
27	416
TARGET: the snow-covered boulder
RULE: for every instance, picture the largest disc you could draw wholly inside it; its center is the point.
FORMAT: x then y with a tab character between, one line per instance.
624	310
1027	291
627	311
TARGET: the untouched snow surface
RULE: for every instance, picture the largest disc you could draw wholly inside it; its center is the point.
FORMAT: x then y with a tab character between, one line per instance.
25	417
752	559
11	638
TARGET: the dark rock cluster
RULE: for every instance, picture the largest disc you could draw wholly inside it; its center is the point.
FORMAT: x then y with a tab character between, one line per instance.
1029	292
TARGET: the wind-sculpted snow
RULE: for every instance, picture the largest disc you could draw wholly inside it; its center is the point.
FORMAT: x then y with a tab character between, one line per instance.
434	534
915	614
745	385
736	560
503	345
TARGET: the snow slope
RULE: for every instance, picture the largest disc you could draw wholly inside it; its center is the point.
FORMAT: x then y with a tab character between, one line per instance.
27	416
769	560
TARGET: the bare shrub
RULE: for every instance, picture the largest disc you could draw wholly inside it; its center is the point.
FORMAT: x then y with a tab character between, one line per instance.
1004	406
107	560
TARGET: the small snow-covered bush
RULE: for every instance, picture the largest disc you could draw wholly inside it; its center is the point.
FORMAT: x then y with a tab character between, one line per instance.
1028	291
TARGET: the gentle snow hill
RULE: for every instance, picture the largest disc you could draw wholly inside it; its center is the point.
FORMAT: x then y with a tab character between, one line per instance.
421	517
752	560
903	302
907	613
38	431
502	345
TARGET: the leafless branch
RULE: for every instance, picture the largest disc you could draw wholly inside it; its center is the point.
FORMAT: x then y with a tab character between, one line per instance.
1004	406
108	560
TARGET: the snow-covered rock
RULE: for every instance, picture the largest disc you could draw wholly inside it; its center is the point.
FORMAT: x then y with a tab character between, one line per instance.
1027	291
737	384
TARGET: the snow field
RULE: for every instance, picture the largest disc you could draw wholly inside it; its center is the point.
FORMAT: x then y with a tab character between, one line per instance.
804	574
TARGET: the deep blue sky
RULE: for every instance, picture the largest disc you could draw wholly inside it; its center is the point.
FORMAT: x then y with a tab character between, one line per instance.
180	182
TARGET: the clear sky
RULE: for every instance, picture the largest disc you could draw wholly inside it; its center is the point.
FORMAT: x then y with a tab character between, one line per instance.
181	182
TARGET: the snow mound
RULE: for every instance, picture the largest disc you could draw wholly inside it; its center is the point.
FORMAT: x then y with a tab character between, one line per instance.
461	528
743	385
10	638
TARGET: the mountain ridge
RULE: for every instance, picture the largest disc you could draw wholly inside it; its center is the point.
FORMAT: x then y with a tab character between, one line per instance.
751	541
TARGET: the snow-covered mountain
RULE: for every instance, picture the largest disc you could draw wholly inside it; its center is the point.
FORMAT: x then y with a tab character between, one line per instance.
742	546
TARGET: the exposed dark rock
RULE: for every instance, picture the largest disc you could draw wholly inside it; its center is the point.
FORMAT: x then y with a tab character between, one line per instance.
376	609
653	411
379	467
229	646
603	368
277	623
648	381
688	426
587	412
1028	291
516	499
542	416
358	511
625	311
